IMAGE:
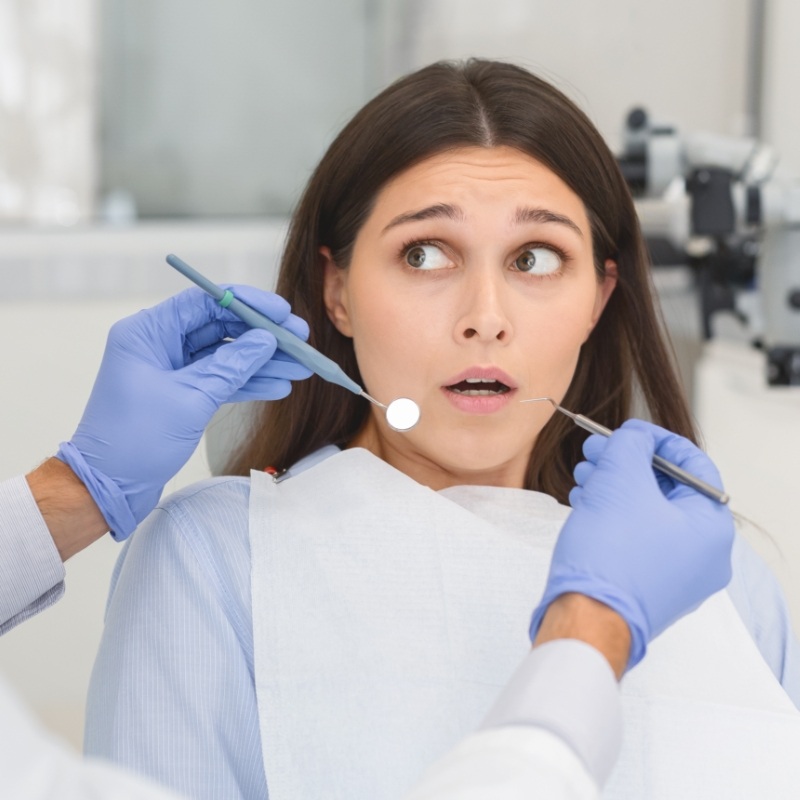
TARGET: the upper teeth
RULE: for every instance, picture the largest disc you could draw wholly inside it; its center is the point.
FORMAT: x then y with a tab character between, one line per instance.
492	387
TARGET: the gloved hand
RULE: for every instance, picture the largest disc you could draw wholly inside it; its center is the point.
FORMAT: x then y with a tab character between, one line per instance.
165	372
647	546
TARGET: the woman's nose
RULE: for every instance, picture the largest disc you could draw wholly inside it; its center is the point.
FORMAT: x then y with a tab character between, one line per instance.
484	318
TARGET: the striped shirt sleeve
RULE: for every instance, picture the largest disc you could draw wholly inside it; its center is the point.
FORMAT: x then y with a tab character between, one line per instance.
31	570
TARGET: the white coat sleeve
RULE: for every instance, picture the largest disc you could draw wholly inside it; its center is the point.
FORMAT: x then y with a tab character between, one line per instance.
31	570
555	732
509	763
36	766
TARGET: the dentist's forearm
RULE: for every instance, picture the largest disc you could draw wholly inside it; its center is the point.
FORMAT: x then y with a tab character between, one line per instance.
71	515
575	616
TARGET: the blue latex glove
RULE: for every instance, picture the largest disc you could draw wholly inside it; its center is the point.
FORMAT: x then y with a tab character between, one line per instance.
164	373
650	548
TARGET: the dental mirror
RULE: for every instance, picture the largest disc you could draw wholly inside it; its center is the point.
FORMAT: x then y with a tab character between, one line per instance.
402	414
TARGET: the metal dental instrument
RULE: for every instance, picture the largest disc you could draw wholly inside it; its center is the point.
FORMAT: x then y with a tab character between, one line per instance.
661	464
402	414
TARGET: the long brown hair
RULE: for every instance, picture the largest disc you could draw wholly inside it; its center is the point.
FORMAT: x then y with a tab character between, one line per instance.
443	107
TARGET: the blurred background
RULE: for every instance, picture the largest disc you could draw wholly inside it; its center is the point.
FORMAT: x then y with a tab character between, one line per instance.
134	128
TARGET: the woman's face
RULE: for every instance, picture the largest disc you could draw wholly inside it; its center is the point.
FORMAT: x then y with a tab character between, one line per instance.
471	287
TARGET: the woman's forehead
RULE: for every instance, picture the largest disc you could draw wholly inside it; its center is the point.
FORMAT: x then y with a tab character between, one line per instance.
470	179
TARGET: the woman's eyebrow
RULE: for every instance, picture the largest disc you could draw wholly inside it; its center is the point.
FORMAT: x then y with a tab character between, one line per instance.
524	215
430	212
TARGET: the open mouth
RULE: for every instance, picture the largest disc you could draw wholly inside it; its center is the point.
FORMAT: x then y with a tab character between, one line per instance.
479	387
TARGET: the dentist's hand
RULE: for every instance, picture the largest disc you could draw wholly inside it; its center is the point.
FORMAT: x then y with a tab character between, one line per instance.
644	545
165	372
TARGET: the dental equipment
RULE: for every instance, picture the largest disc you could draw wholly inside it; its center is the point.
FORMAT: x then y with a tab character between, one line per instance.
402	414
661	464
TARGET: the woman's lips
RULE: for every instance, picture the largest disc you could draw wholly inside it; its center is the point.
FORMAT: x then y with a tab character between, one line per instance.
479	404
480	390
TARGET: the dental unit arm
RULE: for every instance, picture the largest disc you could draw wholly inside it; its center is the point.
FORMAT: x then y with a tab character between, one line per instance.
722	206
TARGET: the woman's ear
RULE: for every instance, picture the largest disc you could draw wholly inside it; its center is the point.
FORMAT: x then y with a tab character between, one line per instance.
335	292
605	288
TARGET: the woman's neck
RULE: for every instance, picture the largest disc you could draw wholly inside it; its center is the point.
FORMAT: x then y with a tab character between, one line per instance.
430	472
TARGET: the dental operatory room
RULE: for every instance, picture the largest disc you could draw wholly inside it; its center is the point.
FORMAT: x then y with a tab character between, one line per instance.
513	285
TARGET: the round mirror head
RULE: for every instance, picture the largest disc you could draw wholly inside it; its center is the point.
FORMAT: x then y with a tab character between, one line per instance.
402	414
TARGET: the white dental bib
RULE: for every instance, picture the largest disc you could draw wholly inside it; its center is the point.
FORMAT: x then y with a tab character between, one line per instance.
387	617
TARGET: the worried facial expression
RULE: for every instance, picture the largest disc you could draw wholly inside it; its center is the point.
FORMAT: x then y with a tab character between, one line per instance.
471	287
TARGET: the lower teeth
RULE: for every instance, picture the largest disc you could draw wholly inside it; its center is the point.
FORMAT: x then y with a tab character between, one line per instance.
478	392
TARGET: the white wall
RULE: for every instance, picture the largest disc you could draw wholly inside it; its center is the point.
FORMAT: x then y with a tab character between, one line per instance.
782	77
684	60
47	108
220	108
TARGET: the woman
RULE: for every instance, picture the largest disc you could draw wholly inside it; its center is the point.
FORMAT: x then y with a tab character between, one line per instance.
466	241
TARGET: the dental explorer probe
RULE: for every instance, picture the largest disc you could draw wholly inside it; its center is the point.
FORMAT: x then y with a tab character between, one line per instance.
661	464
402	414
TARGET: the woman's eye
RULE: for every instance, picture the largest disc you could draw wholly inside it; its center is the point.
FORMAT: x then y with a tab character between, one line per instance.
426	256
538	261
